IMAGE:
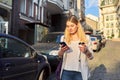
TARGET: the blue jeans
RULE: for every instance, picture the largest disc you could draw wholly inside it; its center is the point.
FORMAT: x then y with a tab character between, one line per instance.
71	75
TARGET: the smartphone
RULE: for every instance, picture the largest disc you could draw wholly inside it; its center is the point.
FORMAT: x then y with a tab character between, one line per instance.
81	43
63	44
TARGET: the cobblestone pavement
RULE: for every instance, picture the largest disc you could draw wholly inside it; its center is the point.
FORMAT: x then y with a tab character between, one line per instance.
106	62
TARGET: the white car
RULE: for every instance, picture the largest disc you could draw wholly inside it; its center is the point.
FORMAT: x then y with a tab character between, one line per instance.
95	43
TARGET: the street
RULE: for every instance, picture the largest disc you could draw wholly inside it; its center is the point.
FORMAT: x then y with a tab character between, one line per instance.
106	63
31	30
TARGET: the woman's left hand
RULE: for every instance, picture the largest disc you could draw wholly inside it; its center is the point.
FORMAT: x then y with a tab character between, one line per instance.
83	48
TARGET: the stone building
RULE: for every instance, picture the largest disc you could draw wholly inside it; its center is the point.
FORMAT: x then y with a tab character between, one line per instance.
110	18
92	23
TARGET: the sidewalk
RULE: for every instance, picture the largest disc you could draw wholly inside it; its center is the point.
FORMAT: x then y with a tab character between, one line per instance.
118	39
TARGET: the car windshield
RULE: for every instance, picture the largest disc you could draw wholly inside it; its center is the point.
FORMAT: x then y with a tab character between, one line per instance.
51	38
99	37
93	39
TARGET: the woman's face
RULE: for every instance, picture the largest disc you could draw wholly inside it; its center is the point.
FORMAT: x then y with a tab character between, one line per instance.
71	27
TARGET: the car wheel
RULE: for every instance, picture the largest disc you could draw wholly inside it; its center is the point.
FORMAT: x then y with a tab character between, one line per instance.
42	75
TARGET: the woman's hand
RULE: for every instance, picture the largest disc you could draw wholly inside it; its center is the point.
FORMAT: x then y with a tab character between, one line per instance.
83	48
62	50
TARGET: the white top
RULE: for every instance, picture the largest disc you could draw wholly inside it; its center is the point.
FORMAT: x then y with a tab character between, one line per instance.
84	68
72	57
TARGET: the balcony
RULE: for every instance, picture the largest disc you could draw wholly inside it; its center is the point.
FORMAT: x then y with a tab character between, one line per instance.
6	4
54	6
112	3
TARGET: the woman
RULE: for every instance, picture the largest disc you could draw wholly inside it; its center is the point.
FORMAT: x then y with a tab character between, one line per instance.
75	65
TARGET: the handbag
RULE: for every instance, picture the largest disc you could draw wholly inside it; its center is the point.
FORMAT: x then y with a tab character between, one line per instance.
58	70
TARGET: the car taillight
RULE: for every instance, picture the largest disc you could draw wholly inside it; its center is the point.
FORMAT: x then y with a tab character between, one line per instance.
95	42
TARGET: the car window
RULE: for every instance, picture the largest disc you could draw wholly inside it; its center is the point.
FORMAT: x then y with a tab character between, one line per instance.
51	38
93	39
59	38
13	48
99	37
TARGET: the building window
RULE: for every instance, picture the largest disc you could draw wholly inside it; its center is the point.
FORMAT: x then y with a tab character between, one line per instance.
107	25
108	32
117	17
110	1
71	4
40	16
117	24
102	3
111	17
75	5
107	18
45	17
106	2
23	6
112	25
119	9
30	8
61	0
35	11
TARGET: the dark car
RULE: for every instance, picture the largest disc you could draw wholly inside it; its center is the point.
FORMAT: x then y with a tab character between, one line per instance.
49	47
20	61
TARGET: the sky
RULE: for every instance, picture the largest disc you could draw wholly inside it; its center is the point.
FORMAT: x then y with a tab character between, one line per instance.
91	7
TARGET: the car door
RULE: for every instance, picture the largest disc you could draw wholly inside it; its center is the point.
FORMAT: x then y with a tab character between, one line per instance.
16	60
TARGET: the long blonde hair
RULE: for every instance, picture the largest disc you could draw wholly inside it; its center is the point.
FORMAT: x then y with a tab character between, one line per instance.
80	31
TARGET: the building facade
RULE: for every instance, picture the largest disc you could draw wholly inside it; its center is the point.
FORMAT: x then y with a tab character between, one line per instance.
81	9
109	18
37	17
92	23
5	16
30	20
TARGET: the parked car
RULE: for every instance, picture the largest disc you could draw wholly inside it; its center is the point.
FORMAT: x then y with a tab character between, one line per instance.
99	37
95	44
103	41
20	61
49	47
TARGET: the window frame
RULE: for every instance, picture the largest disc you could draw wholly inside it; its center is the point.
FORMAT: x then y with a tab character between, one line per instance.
29	51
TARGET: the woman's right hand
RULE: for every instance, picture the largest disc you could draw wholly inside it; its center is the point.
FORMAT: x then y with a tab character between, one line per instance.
62	50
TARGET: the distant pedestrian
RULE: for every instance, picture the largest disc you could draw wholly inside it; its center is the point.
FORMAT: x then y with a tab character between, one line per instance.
76	52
